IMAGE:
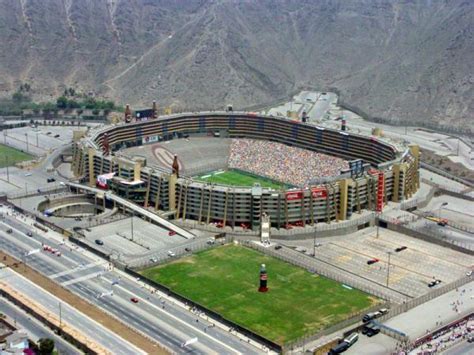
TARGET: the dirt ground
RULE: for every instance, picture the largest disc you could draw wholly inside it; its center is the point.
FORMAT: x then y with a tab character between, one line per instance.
444	163
93	312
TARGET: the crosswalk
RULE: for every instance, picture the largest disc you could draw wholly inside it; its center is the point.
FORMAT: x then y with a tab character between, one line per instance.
82	278
77	268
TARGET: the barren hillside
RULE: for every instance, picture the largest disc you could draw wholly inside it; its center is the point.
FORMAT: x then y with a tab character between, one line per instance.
397	59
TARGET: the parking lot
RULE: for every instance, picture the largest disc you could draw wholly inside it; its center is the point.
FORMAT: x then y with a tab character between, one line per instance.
40	140
117	237
411	270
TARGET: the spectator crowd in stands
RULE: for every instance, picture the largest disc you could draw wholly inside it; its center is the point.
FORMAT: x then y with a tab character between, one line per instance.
294	166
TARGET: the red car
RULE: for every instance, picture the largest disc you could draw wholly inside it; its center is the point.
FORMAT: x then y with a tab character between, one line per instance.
372	261
134	299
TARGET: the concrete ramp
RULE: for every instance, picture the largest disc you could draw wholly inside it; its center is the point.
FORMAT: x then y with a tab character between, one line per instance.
137	209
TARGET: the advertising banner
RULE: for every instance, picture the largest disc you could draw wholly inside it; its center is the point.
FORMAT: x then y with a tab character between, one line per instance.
319	192
150	139
294	195
102	180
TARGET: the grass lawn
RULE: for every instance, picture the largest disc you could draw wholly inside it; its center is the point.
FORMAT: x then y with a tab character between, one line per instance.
13	155
237	178
225	279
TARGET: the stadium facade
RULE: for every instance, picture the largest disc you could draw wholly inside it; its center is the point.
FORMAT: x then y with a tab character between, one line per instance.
389	172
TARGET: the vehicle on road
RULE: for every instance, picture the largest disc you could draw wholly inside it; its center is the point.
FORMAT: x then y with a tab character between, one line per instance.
153	260
434	283
345	344
57	136
99	242
171	254
171	233
9	231
29	234
28	174
399	249
368	317
373	331
187	249
351	339
439	221
372	261
134	299
50	180
278	247
339	348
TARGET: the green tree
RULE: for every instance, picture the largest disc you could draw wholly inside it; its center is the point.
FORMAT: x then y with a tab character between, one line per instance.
62	102
73	104
18	97
46	346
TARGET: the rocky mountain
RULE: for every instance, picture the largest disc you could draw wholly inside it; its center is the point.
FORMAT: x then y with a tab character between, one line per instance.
398	59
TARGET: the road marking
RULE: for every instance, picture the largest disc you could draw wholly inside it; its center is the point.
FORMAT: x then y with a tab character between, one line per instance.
179	320
77	268
82	278
48	299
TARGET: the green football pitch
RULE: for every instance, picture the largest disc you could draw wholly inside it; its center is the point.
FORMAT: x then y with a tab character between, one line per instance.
237	178
225	279
9	156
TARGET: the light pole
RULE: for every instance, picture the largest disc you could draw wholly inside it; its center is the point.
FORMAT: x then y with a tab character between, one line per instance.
8	172
60	317
314	244
388	266
377	225
440	208
131	224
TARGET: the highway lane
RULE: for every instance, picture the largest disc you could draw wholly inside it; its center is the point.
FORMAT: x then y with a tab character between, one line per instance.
34	328
69	315
175	324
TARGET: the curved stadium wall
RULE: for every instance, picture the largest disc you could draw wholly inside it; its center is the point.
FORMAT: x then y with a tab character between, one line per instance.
394	173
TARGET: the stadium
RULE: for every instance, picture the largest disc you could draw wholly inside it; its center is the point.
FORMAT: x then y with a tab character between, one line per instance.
227	168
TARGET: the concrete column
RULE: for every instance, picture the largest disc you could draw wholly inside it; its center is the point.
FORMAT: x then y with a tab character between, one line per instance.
172	191
91	154
343	188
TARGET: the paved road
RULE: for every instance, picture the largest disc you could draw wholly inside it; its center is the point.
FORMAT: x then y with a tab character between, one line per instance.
34	328
462	348
85	275
69	315
439	143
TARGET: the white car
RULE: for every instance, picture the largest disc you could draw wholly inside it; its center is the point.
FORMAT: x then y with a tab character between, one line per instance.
171	254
